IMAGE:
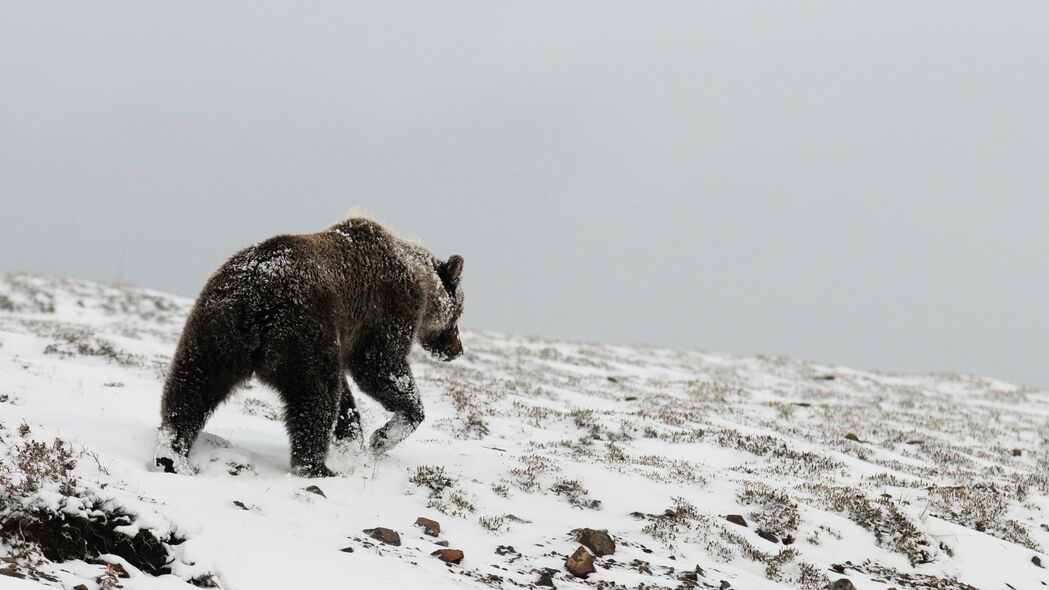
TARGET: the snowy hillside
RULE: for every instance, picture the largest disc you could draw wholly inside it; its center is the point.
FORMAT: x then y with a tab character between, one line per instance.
706	470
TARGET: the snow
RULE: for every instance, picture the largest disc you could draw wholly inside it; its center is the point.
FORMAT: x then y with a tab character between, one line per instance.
541	430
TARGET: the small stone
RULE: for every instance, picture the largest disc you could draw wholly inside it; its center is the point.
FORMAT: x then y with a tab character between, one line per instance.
768	536
841	584
788	540
725	585
1017	452
1037	561
116	569
80	587
580	564
441	543
598	541
736	519
546	578
347	549
315	490
449	555
852	436
430	527
388	536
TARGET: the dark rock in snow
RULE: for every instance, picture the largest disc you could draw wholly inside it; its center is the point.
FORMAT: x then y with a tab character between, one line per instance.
315	490
430	527
546	578
841	584
581	563
449	555
725	585
768	536
852	436
1037	561
736	519
388	536
598	541
1017	452
347	549
441	543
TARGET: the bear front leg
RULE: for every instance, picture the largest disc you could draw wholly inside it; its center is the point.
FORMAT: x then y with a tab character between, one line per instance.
390	382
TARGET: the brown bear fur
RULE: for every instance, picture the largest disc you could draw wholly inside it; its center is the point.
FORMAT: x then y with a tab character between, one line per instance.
299	311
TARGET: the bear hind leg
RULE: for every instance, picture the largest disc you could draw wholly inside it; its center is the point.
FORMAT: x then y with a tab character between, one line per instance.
311	392
196	385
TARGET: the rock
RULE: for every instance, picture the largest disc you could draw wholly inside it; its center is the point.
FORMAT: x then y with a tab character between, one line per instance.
598	541
430	527
315	490
546	578
788	539
80	587
1017	452
768	536
736	519
449	555
852	436
1037	561
204	581
388	536
117	570
347	549
841	584
725	585
580	564
442	543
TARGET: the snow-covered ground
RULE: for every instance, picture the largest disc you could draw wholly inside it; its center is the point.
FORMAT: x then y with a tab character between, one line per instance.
937	481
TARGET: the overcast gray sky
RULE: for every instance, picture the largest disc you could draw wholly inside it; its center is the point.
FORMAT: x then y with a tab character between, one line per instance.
859	183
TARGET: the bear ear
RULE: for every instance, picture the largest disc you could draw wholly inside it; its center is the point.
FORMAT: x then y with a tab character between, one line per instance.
451	271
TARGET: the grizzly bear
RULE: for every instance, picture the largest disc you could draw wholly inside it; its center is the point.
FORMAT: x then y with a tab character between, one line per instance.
298	312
